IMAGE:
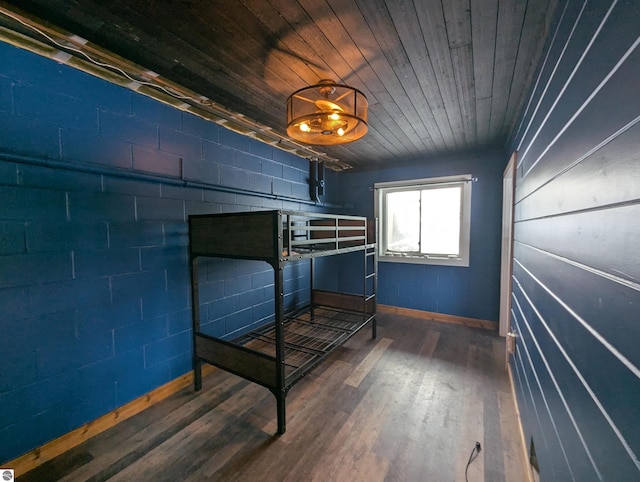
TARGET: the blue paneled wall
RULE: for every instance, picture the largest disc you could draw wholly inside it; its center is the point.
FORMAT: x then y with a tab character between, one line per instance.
96	183
576	291
471	292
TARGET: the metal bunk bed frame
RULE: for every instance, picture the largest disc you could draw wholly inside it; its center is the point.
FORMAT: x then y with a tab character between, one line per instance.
280	353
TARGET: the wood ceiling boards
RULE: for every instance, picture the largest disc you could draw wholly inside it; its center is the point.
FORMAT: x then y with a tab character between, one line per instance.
440	75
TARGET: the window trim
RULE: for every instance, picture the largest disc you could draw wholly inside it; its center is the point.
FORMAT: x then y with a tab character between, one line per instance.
381	188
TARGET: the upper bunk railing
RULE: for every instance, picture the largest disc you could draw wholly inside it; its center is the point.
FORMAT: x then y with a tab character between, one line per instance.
308	234
276	236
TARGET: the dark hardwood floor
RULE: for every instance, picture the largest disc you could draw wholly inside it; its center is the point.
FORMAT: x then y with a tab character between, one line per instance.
407	406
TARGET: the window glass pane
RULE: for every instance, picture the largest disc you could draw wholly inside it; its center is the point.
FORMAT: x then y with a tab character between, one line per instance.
441	220
403	216
425	221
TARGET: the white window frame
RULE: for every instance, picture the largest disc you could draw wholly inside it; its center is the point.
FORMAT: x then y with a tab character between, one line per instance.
382	188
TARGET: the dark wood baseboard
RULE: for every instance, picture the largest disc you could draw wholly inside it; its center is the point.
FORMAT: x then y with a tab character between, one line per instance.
440	317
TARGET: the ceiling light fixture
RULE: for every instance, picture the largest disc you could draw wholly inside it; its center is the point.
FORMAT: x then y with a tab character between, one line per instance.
326	114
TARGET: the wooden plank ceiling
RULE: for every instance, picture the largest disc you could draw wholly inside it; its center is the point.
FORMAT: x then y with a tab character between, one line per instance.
440	75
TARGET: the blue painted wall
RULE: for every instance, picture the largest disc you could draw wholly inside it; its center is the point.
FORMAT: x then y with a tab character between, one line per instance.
94	283
471	292
576	291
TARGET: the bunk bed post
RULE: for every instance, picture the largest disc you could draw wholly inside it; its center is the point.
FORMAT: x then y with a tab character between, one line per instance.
195	319
374	306
278	270
371	276
375	278
311	296
280	392
365	272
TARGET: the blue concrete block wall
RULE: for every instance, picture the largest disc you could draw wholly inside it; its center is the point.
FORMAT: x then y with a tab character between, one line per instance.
94	284
472	292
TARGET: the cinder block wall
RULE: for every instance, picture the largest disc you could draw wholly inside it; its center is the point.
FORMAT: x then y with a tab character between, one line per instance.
94	283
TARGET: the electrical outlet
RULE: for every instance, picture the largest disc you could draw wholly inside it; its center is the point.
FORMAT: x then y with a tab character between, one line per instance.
511	342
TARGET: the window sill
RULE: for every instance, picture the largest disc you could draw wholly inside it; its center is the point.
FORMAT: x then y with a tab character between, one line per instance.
460	262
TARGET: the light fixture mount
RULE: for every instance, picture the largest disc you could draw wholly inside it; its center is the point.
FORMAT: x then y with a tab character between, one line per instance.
327	114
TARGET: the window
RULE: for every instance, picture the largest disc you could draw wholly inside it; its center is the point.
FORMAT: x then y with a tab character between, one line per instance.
424	220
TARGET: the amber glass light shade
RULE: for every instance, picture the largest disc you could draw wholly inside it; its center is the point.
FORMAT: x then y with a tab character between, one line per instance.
326	114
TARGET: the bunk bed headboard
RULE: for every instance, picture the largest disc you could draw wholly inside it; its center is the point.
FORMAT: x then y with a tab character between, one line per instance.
235	235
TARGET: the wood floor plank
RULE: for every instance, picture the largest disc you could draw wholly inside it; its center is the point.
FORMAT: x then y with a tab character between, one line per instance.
353	442
410	399
371	359
111	457
171	453
513	459
301	403
406	406
490	355
473	424
322	431
447	402
168	455
224	452
370	467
